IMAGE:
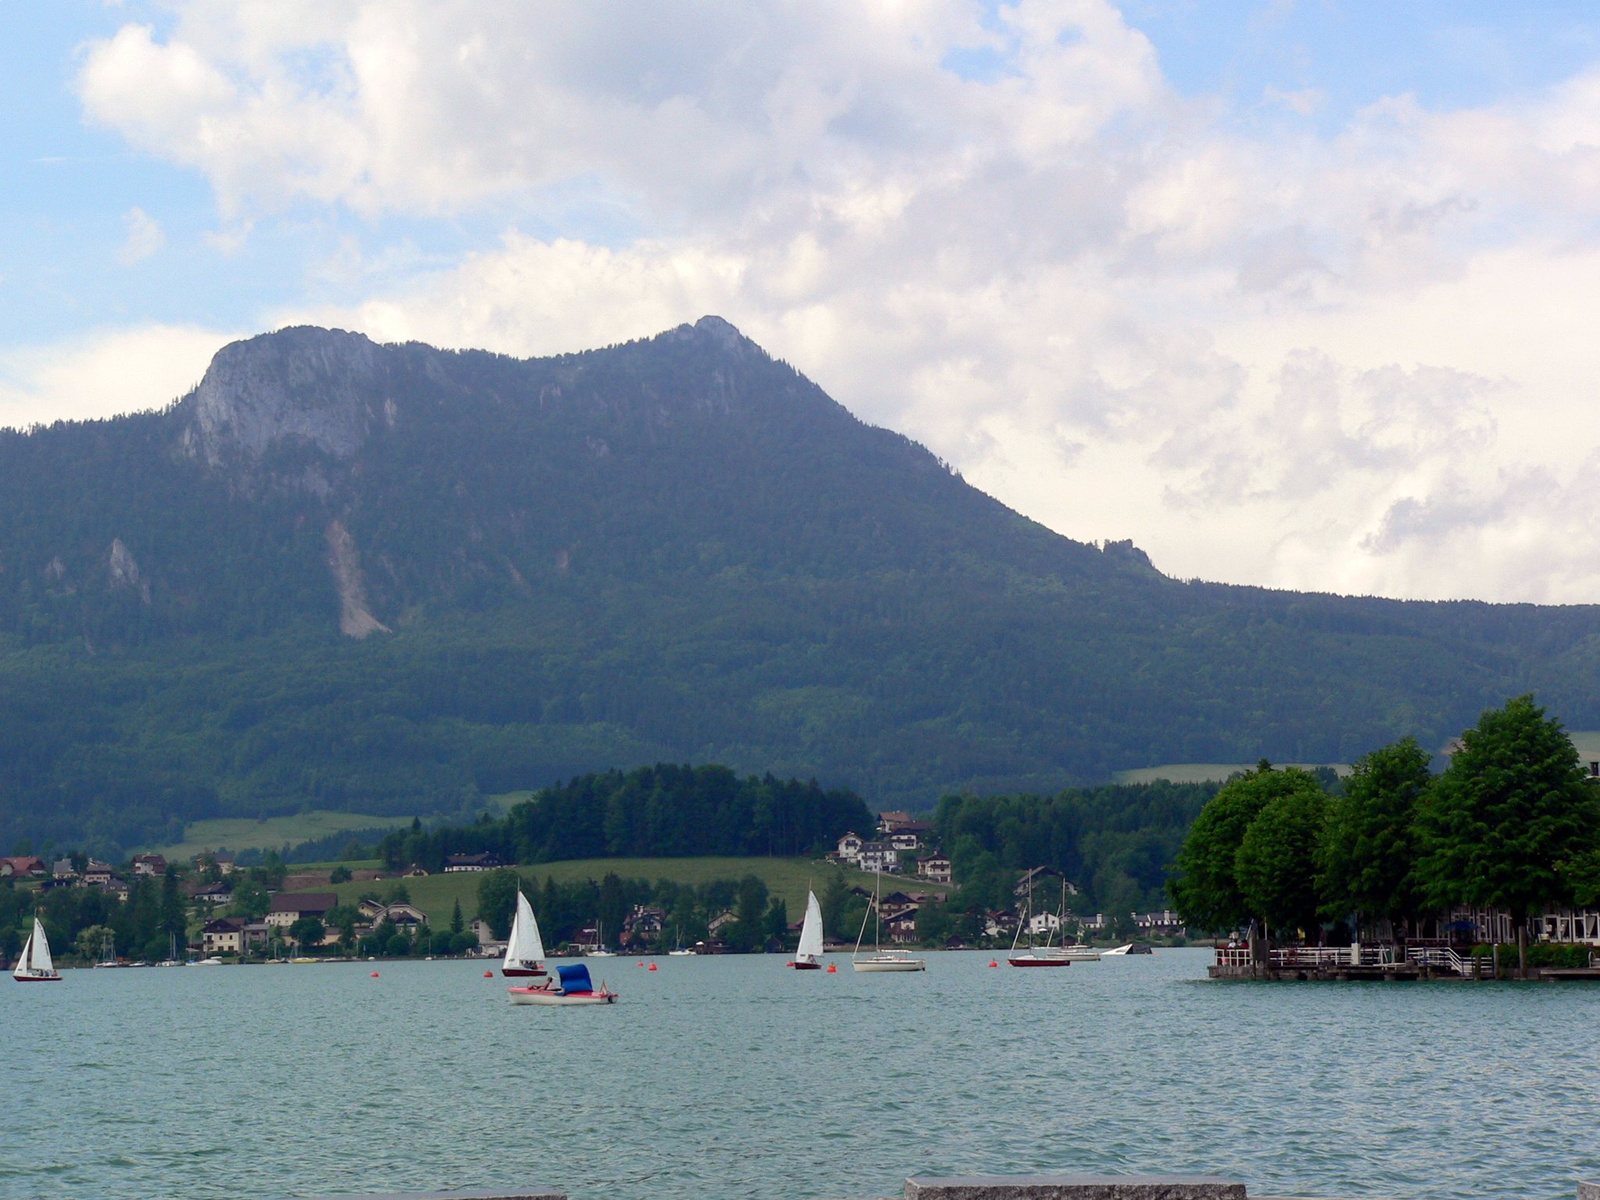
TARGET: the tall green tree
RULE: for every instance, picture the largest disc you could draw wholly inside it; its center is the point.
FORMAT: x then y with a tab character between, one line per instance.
1367	858
1205	885
497	900
1512	821
1276	862
455	917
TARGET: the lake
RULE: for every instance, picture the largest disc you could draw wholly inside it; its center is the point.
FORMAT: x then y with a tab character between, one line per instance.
735	1077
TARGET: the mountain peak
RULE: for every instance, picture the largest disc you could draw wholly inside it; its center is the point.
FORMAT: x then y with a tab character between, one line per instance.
303	384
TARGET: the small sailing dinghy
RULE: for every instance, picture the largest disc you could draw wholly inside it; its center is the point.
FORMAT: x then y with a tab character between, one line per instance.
35	965
809	955
524	948
881	959
572	986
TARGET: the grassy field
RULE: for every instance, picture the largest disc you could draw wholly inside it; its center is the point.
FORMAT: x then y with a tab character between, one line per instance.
242	833
784	877
1208	772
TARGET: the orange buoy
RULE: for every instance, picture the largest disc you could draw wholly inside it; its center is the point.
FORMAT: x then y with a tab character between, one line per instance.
374	974
488	974
992	963
832	970
652	966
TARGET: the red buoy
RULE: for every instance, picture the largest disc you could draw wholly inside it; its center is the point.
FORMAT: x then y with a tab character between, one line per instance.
652	966
832	970
992	963
374	974
488	974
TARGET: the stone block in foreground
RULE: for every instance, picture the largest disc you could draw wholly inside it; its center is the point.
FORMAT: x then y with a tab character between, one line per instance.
1589	1191
1076	1187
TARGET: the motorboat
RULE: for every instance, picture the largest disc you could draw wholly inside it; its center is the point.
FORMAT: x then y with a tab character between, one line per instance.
35	965
524	948
881	960
571	985
1130	948
808	957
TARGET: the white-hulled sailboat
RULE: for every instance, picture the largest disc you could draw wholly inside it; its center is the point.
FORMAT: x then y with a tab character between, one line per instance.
35	965
524	948
881	959
809	955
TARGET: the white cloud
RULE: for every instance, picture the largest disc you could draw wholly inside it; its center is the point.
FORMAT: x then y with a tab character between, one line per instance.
1361	362
103	374
145	237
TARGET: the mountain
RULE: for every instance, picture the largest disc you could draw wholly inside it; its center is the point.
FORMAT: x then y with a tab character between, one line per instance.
392	579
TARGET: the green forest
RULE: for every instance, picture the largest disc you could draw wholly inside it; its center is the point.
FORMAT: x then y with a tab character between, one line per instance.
664	811
673	550
1511	823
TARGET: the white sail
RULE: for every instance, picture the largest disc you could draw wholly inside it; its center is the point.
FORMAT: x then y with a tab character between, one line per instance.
26	960
525	945
811	930
41	949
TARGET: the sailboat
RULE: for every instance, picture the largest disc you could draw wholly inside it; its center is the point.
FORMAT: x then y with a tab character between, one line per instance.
881	959
35	965
678	951
524	948
572	986
809	955
1048	955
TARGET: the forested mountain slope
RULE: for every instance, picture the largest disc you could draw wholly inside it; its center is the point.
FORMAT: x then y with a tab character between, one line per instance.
392	578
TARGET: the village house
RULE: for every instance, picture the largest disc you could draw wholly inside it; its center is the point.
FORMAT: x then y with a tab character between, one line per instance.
289	907
406	918
415	871
643	923
479	928
117	888
894	904
220	892
849	847
456	863
1044	923
1096	924
21	866
63	871
901	822
936	867
1159	924
905	841
149	864
878	856
97	874
222	935
999	924
720	922
225	862
902	927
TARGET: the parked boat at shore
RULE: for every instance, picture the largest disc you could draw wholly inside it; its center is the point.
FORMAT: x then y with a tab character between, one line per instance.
808	956
35	965
570	986
524	948
1130	948
880	959
1048	955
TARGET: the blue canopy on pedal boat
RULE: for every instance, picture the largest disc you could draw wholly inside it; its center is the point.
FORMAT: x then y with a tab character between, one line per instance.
575	979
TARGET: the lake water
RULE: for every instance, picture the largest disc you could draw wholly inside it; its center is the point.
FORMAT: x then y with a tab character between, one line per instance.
735	1077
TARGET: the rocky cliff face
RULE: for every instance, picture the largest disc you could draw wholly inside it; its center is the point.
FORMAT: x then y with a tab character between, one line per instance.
320	389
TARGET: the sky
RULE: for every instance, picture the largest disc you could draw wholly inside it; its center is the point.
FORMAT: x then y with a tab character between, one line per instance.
1299	293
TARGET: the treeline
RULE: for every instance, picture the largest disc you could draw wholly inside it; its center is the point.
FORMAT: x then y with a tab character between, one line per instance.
1116	843
1512	823
89	921
664	811
565	909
